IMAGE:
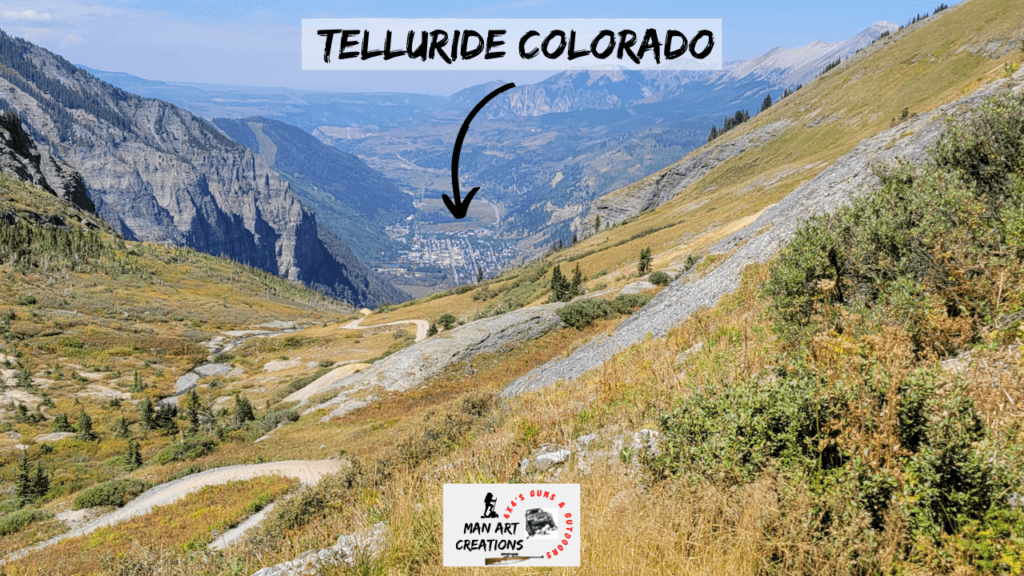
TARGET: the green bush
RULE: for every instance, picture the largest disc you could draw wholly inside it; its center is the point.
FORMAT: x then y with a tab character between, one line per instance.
26	300
112	493
660	278
926	252
582	313
15	521
447	320
629	303
271	419
193	447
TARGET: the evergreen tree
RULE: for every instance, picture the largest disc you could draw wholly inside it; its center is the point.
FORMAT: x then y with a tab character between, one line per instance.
21	414
479	274
83	428
192	408
23	480
597	219
559	285
40	482
137	384
24	379
767	103
133	455
61	424
574	239
576	285
714	133
121	429
243	410
432	330
163	419
644	265
146	414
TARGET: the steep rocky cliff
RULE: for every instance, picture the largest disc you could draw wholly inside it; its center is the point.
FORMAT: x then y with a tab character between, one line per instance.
21	158
157	173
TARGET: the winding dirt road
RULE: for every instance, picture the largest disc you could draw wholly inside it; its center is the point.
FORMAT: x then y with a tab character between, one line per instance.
306	471
421	326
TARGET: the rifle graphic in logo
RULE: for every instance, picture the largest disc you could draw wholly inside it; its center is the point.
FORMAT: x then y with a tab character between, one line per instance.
507	558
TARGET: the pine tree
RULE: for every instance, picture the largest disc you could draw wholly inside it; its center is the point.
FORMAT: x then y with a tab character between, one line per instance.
575	239
644	265
163	419
121	429
432	330
137	384
40	482
61	424
23	480
597	221
24	379
243	410
714	133
767	103
83	428
479	274
146	414
559	285
576	285
133	455
192	408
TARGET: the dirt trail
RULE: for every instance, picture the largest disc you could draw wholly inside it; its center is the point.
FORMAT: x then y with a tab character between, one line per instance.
421	326
306	471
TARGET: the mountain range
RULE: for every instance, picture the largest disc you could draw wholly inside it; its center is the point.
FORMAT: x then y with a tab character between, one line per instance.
160	174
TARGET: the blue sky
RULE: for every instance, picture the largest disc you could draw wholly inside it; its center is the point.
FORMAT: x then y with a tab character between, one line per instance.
256	42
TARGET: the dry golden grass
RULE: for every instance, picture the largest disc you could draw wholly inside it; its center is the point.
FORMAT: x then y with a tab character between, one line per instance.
183	527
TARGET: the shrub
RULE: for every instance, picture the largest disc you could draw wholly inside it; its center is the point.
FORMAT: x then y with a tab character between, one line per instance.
660	278
26	300
447	320
223	357
582	313
15	521
927	252
271	419
193	447
629	303
112	493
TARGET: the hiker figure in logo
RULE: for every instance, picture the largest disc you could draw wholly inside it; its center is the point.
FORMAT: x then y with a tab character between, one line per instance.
489	502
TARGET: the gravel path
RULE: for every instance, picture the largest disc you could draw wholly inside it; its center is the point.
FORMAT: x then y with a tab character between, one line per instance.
421	326
306	471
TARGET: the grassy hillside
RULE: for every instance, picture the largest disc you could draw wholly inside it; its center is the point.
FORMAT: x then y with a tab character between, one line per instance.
854	408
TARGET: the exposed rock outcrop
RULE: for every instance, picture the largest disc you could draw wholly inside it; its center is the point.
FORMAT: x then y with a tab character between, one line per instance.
21	158
412	366
346	550
832	189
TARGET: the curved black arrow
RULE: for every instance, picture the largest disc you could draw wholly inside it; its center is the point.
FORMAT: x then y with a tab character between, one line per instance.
459	207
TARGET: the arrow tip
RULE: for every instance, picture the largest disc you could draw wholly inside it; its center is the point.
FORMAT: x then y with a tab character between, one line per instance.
459	209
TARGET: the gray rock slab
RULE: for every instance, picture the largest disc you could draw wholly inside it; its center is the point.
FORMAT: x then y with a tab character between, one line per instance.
412	366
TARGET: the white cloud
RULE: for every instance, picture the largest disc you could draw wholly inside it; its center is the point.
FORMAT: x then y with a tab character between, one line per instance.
24	15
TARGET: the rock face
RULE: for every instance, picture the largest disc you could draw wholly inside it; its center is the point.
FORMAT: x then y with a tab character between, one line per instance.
832	189
412	366
22	159
157	173
662	186
347	550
